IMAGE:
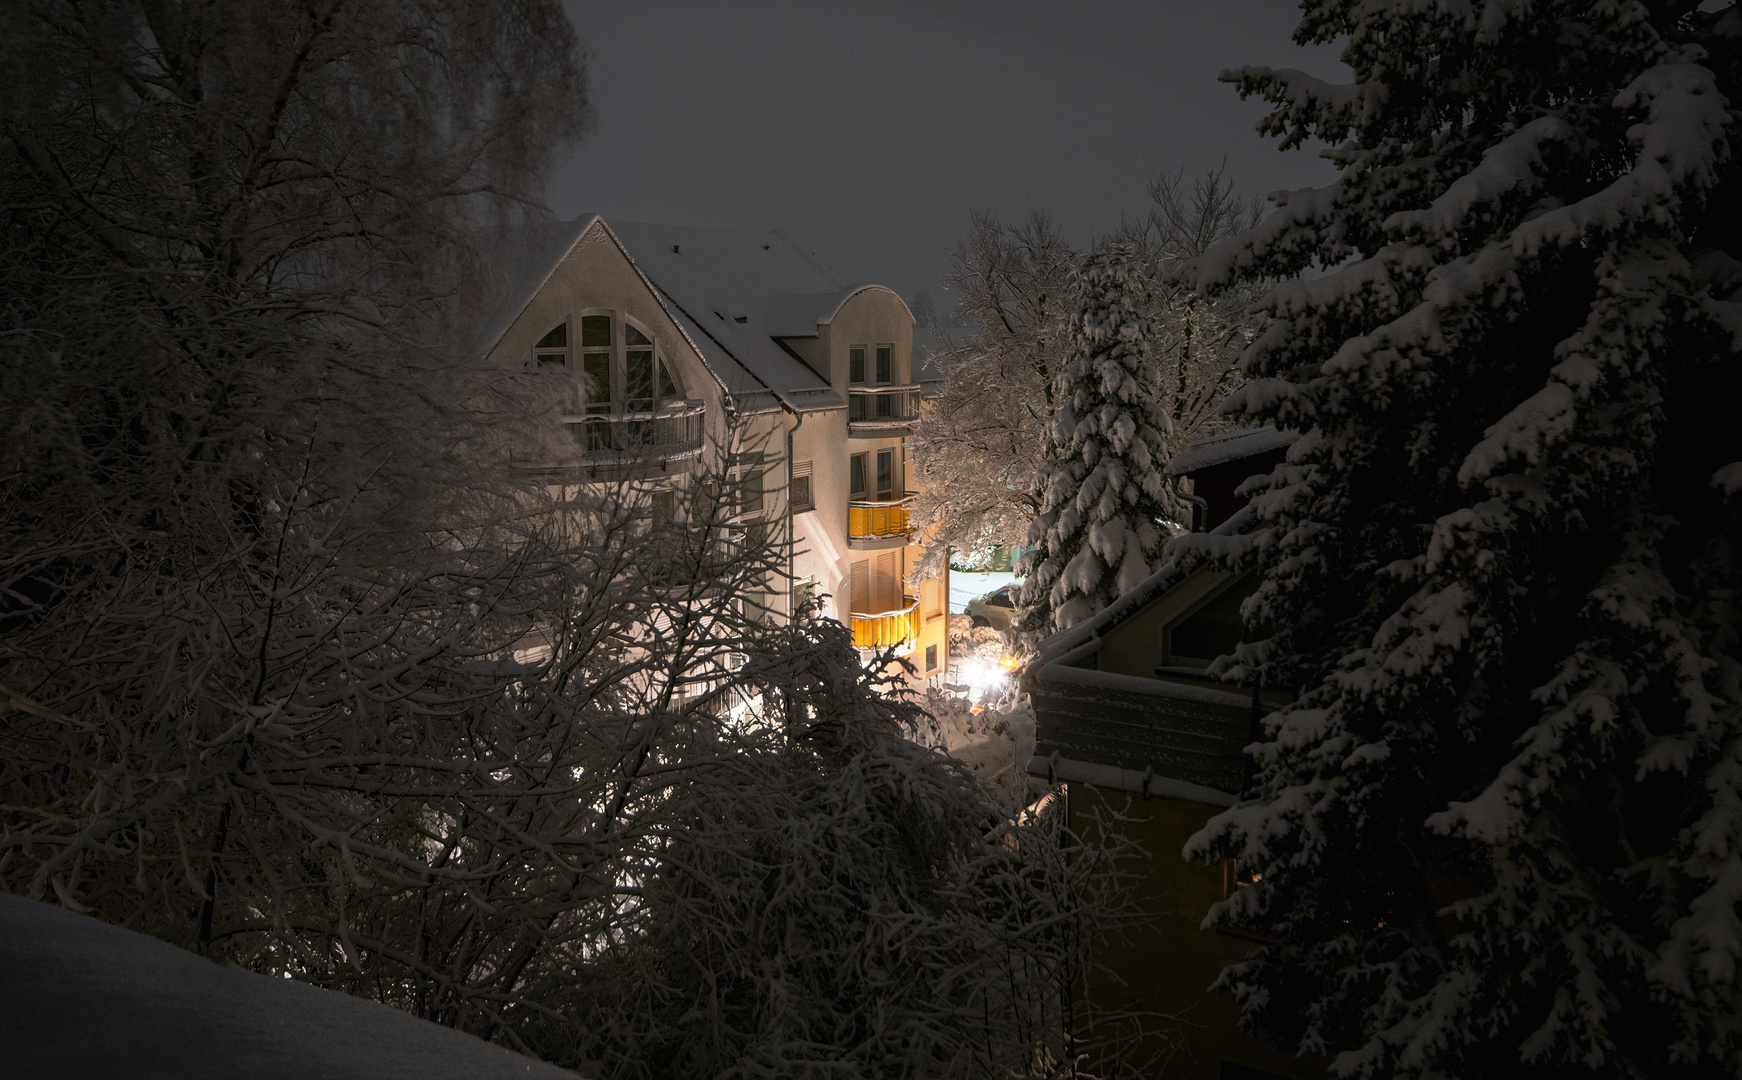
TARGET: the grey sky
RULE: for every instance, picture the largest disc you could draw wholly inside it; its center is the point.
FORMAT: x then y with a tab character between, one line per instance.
878	128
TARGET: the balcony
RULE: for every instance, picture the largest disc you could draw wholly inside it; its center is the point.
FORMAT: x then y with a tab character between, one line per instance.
881	410
878	524
673	434
881	630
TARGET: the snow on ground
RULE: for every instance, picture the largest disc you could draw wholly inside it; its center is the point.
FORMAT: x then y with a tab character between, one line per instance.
81	998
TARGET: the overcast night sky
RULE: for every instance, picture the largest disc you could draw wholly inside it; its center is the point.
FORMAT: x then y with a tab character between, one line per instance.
872	130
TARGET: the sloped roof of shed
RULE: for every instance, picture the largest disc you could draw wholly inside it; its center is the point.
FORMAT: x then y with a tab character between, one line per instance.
1220	449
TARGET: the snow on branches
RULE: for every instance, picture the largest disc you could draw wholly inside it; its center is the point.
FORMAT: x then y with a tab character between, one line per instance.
303	664
1499	825
1100	491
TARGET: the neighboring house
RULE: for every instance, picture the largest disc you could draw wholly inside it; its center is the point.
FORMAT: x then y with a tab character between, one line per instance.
733	353
1128	720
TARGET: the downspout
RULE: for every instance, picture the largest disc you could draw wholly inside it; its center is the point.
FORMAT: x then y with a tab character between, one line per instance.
1198	501
791	522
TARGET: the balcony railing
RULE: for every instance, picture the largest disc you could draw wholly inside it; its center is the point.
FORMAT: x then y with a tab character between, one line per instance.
878	408
881	630
672	434
878	520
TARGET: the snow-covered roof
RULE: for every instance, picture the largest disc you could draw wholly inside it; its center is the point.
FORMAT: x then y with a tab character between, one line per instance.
731	292
522	260
1232	446
738	291
83	998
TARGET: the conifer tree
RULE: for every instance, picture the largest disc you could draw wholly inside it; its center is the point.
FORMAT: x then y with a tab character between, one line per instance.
1500	825
1100	488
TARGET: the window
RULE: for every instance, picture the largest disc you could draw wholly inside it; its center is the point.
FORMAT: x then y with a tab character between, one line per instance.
1237	876
885	474
885	364
596	361
664	506
750	493
637	370
931	657
755	538
747	476
803	592
858	463
800	496
553	348
1213	629
856	364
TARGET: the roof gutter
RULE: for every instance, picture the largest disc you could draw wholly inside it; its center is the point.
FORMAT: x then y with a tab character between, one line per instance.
697	323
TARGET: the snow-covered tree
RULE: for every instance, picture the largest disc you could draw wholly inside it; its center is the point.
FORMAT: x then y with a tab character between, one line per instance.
298	671
981	440
1498	829
1196	339
1100	492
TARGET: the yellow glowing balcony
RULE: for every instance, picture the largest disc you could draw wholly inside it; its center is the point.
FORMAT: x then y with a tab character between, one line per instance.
879	631
875	524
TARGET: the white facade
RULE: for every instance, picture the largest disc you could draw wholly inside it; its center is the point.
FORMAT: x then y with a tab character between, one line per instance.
717	349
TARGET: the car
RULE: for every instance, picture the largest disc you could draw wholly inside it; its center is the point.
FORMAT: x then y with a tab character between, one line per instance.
997	609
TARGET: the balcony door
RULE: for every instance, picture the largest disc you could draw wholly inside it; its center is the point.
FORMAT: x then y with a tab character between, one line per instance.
875	585
859	590
886	582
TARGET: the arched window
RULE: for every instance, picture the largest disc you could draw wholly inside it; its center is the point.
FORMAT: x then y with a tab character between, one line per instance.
596	361
638	370
626	377
553	348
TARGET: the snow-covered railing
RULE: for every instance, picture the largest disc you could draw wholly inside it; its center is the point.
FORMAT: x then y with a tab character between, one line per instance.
672	434
881	629
882	406
877	519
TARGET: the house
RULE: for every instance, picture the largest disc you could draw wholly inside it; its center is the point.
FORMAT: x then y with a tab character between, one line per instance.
1128	720
719	352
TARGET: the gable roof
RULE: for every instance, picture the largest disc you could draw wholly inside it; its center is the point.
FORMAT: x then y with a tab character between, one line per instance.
523	259
731	293
739	291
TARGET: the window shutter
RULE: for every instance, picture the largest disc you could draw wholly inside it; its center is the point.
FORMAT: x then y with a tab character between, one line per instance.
860	591
886	585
